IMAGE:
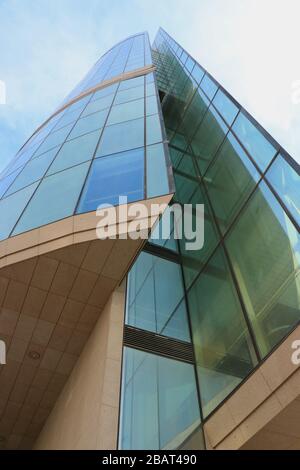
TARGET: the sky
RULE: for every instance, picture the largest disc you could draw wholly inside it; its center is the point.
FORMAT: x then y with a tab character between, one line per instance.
252	47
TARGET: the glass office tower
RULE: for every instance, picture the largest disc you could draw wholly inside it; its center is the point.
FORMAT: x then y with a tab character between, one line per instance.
148	123
235	299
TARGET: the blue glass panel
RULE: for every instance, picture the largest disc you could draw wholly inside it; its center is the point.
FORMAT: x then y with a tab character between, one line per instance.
132	83
33	171
117	175
286	181
198	73
105	92
257	145
122	136
7	180
11	208
126	112
209	87
156	165
99	105
89	124
225	106
54	139
46	205
74	152
153	129
130	94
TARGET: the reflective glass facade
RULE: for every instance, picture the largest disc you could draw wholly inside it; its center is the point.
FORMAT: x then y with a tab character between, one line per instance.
238	297
107	144
197	323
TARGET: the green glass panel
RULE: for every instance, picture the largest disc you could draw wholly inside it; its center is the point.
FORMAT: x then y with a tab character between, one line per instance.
230	181
264	249
208	138
224	353
169	390
194	260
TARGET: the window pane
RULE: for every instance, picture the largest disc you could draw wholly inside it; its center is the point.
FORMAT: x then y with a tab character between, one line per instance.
221	340
68	117
132	83
208	139
6	181
114	176
156	164
46	205
99	105
194	260
88	124
225	107
230	181
209	87
129	95
123	136
169	390
105	92
153	129
150	305
126	111
264	248
286	181
151	105
74	152
197	73
33	171
11	208
257	145
194	114
54	139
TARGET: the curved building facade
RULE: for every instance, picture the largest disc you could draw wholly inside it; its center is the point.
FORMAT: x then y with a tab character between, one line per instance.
106	335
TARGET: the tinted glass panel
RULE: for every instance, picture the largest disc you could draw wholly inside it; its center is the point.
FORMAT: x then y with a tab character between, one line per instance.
33	171
114	176
11	208
74	152
123	136
224	352
126	111
88	124
229	181
208	138
253	140
168	388
225	107
264	248
286	181
43	209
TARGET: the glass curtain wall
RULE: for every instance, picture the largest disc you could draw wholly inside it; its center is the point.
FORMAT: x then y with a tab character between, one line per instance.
243	287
